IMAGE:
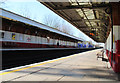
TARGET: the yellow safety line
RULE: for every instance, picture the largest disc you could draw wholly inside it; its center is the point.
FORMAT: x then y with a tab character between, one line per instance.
36	65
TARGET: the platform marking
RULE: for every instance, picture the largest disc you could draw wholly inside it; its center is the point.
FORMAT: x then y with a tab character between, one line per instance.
51	61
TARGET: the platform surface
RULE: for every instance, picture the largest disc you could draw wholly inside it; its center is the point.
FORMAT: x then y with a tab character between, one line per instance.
78	67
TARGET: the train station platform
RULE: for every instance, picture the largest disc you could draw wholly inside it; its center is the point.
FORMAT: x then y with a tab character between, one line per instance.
78	67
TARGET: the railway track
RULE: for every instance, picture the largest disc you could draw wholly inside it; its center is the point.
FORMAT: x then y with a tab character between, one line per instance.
19	57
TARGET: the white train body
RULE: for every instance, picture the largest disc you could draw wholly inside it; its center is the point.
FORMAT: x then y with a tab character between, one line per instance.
23	40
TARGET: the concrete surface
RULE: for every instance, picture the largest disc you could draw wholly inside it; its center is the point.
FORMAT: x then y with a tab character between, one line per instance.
79	67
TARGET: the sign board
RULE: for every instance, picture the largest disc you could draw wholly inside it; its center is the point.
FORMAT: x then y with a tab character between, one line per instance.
13	36
28	39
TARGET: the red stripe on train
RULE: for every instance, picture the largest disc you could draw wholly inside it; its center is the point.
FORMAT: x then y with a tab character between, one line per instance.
30	45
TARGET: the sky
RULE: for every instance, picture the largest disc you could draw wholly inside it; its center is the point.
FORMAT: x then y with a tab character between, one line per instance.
36	11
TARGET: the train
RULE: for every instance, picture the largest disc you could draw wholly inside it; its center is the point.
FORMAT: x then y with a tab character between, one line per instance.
13	39
86	44
21	32
18	40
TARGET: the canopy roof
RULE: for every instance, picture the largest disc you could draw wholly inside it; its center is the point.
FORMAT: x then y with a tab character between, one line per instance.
92	18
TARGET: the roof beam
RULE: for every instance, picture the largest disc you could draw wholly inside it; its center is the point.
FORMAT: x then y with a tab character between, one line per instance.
97	6
82	27
93	27
92	20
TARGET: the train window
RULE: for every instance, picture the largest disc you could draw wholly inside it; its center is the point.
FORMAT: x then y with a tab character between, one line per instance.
20	37
27	31
2	35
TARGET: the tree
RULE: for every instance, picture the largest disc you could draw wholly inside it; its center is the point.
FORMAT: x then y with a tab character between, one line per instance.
24	11
2	2
57	23
52	21
66	28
